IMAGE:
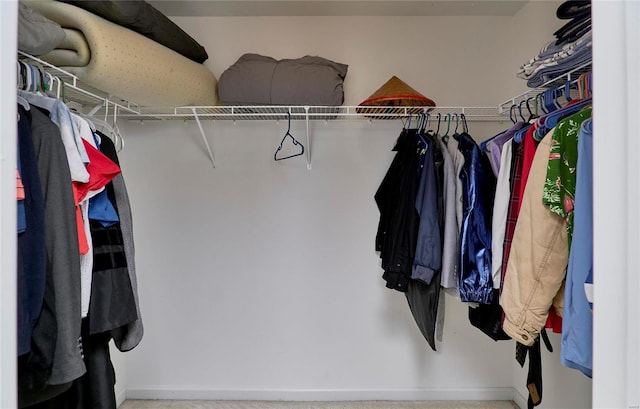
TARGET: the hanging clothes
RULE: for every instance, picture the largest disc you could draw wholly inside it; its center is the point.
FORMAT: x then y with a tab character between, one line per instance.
515	181
546	215
451	232
61	362
539	247
112	301
94	389
32	251
577	324
128	336
475	238
398	225
500	213
428	254
57	332
423	294
410	227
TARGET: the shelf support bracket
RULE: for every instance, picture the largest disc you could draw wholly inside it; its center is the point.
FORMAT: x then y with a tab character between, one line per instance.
96	109
204	137
306	110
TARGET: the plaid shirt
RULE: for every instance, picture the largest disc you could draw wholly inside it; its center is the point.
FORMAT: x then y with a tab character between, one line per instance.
514	204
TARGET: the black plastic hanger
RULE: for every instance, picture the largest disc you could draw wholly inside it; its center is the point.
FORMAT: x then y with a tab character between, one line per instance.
512	116
465	126
455	132
295	142
532	115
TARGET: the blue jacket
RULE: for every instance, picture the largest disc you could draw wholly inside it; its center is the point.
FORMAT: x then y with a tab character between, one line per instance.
428	255
479	185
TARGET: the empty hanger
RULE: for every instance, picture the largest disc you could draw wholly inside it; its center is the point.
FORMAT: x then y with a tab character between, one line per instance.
295	142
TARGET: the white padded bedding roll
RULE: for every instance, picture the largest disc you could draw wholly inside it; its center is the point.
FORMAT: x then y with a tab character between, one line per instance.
127	64
73	51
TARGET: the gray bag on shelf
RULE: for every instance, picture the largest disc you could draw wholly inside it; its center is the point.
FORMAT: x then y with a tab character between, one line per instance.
260	80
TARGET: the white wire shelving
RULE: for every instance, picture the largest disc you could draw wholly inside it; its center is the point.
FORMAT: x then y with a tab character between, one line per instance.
557	82
79	94
94	102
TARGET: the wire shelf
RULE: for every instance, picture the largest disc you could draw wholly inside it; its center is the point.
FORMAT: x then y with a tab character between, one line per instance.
557	82
79	94
313	113
92	101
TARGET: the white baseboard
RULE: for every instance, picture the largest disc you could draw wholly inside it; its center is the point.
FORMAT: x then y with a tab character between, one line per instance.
519	399
121	396
181	393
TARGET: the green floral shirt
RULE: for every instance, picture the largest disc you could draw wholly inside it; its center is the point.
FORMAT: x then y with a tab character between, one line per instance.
560	184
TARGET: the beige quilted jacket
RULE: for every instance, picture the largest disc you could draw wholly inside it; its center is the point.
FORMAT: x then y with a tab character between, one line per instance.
538	260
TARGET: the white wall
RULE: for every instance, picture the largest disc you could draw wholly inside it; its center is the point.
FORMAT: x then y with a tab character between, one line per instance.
259	279
453	60
616	363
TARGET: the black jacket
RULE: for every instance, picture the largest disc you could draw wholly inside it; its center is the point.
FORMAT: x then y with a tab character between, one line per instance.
398	225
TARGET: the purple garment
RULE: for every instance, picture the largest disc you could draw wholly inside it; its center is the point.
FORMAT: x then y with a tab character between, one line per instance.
495	145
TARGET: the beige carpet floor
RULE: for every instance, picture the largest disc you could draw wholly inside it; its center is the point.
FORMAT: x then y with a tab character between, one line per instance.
183	404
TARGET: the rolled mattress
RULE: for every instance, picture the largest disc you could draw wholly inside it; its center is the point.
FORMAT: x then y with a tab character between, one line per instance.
124	63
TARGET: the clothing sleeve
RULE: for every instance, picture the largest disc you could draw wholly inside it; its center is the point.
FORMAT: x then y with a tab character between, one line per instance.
428	257
500	211
475	282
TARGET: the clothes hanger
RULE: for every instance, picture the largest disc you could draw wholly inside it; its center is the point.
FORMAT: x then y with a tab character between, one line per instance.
567	91
425	124
550	120
407	122
439	118
520	110
26	76
295	142
465	126
448	119
23	102
420	136
519	135
532	116
511	114
588	85
547	98
540	103
20	76
455	131
111	131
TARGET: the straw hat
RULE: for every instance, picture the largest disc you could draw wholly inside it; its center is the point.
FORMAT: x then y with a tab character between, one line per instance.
396	92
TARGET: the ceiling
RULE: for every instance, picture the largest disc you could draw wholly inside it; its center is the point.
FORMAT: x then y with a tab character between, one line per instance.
338	7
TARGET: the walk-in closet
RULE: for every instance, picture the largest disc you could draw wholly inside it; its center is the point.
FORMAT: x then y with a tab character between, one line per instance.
257	273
